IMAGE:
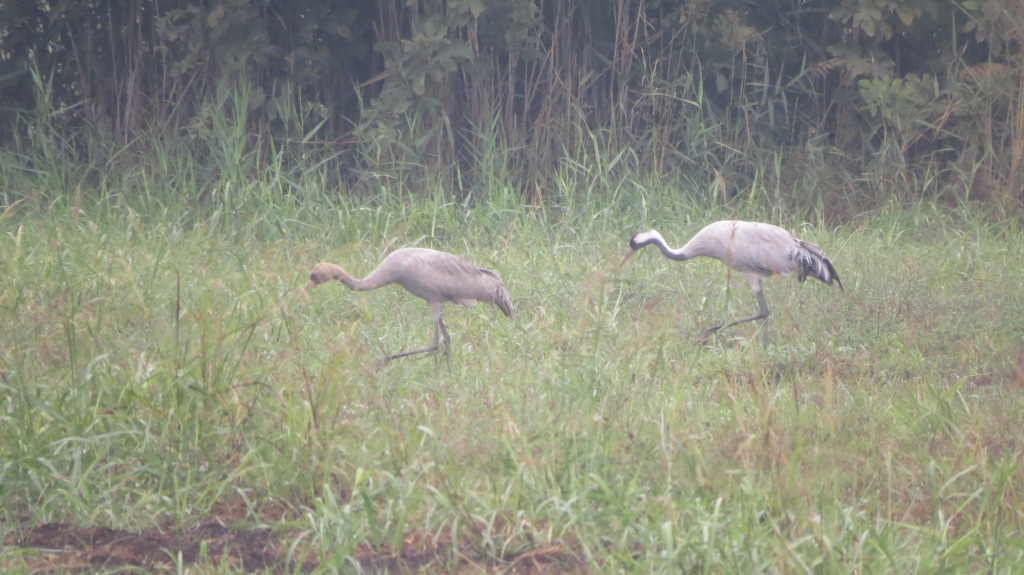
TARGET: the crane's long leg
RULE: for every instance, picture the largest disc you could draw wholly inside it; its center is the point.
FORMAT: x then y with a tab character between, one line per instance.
428	349
762	313
438	330
447	340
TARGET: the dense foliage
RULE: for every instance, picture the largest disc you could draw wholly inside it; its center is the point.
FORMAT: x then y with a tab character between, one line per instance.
170	397
692	89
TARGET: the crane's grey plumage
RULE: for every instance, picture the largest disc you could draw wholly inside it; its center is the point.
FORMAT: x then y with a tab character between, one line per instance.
435	276
754	249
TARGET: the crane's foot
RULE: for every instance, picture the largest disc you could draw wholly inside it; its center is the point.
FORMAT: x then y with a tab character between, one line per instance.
708	333
409	353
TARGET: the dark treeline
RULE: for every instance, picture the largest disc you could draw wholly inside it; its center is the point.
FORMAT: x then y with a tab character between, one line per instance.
683	86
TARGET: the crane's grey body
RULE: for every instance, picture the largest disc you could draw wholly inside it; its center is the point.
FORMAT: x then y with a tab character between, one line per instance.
754	249
434	276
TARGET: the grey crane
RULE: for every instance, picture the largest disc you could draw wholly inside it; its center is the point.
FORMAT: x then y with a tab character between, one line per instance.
435	276
754	249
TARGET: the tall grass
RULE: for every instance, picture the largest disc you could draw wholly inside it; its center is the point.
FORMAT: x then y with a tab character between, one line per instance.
160	368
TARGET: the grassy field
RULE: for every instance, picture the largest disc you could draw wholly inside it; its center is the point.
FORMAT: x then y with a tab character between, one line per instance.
169	401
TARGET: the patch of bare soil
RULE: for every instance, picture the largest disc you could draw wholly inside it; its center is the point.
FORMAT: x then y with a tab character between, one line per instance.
69	549
63	548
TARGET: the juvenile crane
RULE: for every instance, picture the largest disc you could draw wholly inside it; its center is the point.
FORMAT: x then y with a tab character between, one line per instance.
435	276
754	249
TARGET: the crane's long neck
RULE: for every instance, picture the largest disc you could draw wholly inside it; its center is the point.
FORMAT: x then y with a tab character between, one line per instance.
672	254
385	274
358	284
324	272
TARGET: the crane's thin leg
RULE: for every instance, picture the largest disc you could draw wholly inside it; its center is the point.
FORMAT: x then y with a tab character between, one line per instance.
430	348
762	313
447	339
438	329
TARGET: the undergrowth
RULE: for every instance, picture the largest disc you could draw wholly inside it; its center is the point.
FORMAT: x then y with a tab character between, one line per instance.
161	366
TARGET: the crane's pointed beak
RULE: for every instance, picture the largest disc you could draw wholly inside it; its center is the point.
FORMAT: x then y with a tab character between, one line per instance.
304	292
626	258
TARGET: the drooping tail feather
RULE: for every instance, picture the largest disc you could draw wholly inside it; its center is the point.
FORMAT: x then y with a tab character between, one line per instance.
814	263
502	300
499	295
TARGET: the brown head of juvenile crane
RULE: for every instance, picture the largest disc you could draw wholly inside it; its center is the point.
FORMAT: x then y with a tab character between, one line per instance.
754	249
437	277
